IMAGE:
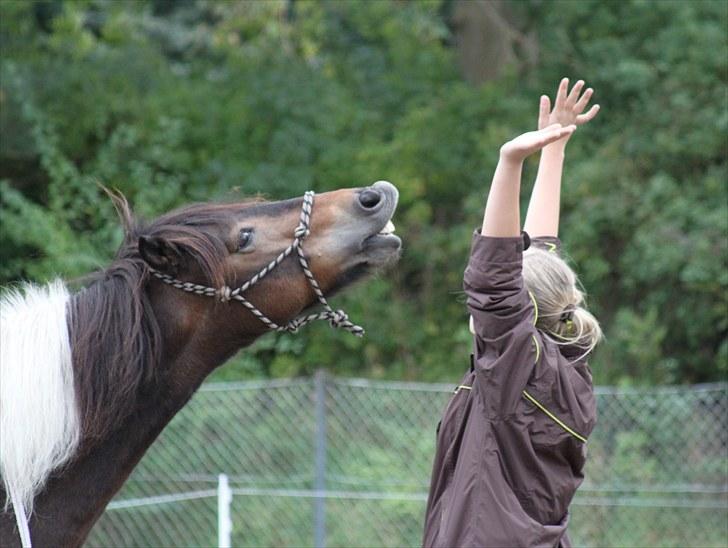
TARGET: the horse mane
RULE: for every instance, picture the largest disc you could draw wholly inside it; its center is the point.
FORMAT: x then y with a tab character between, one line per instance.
116	339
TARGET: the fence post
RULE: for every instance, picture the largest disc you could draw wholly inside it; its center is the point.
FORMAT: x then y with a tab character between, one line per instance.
224	522
319	532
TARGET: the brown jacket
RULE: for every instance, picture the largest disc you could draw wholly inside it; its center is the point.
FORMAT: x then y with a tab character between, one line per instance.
511	445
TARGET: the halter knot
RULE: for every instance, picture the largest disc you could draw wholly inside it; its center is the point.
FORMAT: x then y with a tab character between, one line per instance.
338	318
292	326
301	231
224	294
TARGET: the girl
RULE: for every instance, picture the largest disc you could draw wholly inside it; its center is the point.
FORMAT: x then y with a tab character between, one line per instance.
511	445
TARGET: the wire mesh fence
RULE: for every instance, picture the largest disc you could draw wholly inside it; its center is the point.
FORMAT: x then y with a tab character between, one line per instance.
346	462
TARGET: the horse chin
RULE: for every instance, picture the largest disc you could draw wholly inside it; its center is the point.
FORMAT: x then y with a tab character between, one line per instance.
381	250
378	252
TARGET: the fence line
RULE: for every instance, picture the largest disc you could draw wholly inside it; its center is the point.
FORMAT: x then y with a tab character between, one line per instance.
346	462
161	499
383	495
585	487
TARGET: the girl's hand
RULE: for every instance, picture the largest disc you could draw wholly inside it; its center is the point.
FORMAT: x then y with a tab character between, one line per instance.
568	108
521	147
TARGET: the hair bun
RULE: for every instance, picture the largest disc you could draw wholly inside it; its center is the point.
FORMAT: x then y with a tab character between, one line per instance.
568	314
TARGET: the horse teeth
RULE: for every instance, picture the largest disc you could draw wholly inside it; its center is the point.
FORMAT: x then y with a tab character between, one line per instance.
388	228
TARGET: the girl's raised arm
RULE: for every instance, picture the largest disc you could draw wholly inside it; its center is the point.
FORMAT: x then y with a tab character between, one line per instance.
502	217
542	218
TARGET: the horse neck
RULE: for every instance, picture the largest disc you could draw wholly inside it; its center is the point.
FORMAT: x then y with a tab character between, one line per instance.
73	500
196	336
132	339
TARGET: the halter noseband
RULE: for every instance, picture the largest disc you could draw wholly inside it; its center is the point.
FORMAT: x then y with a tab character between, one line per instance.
336	318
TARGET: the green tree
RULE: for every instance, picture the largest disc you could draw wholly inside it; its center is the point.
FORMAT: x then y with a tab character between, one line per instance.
172	102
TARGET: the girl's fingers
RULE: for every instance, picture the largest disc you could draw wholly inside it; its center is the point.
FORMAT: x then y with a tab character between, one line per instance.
561	93
544	108
584	118
548	131
583	101
528	143
561	132
575	91
554	133
555	136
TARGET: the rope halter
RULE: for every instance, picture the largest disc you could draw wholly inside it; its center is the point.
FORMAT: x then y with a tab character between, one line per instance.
336	318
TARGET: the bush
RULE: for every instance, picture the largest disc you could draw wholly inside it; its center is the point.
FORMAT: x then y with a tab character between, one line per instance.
175	102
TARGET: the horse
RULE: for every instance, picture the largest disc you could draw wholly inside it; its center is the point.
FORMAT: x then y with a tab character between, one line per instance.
90	378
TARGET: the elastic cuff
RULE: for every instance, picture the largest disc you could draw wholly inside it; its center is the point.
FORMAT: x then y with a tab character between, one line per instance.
526	240
547	243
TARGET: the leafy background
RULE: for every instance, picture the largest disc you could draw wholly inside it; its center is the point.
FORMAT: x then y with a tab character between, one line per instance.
173	102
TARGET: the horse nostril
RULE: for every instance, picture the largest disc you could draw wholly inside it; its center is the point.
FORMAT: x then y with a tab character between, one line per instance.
369	198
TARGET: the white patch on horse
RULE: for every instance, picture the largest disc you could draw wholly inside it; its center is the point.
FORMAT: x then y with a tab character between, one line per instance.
39	417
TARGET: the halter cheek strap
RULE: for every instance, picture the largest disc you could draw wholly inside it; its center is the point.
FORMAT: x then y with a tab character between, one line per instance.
336	318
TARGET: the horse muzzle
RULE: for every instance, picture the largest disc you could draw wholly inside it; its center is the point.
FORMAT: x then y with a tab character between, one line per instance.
380	244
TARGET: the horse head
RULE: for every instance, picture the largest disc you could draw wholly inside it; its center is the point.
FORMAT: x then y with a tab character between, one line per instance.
270	256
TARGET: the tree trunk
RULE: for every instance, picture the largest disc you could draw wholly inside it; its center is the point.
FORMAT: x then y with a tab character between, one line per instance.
488	39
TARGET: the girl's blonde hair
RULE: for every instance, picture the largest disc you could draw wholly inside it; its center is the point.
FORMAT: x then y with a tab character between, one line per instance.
560	301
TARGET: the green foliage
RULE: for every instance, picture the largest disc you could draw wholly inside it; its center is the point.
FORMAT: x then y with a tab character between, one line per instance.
175	102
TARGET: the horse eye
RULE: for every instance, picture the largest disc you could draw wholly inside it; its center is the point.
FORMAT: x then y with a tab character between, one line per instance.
245	237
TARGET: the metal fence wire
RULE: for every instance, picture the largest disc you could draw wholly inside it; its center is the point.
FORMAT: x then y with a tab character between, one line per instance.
331	461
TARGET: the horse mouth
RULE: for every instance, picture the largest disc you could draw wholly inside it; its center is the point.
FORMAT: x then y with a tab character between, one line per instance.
381	249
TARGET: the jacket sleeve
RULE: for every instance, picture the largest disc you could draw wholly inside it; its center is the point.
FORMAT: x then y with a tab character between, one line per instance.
548	243
507	343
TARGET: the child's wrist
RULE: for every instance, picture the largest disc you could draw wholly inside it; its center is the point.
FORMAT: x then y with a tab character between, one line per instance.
557	146
510	157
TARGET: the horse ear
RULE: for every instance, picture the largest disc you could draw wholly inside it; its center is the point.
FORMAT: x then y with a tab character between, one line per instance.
160	254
